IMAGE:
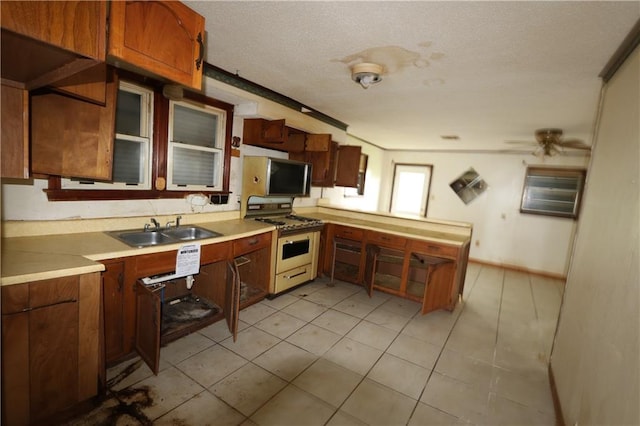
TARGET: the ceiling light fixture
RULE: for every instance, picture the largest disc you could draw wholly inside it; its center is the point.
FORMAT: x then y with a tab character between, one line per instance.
366	74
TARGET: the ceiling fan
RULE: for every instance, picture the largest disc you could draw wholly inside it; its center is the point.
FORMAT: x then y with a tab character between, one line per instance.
550	142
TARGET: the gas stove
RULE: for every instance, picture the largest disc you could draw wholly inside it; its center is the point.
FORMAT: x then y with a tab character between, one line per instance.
292	223
279	212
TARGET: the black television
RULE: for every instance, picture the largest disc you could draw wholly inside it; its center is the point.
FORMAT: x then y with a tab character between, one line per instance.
288	177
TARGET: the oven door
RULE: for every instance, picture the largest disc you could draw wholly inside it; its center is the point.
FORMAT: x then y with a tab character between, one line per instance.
294	251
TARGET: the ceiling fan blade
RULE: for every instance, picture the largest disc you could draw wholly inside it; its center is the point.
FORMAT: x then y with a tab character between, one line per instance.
530	143
574	144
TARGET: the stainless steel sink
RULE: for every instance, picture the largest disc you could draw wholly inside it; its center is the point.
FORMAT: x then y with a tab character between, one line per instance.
137	238
190	233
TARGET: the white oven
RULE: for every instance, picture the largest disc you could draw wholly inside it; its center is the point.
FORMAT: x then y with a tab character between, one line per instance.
298	243
296	260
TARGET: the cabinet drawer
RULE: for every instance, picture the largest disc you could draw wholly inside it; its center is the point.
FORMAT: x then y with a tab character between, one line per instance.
215	252
19	297
249	244
434	249
293	277
348	232
386	240
156	263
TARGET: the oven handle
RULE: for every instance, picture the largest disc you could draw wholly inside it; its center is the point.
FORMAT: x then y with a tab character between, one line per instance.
295	275
297	241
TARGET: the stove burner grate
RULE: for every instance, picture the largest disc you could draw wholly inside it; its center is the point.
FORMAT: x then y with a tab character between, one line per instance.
270	221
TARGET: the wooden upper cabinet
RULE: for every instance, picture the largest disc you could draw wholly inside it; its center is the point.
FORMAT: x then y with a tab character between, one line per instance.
71	137
266	133
272	134
165	38
318	142
323	164
45	41
14	141
348	165
76	26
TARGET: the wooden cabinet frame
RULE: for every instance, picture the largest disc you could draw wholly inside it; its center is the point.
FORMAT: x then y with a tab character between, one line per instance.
50	347
226	269
438	269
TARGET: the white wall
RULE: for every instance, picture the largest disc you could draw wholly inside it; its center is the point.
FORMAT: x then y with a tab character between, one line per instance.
596	356
501	234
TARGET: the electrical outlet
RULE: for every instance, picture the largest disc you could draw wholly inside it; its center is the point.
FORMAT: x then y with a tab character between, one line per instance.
219	199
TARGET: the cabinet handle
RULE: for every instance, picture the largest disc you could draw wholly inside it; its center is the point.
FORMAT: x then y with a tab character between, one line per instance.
120	282
29	308
253	242
295	275
201	54
291	242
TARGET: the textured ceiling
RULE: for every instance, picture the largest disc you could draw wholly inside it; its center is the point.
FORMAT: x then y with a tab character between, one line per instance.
487	72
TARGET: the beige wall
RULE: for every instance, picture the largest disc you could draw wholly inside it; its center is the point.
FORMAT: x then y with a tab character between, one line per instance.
596	351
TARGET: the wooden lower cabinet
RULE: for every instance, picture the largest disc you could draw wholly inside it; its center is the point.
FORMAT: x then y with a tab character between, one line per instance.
50	347
142	318
345	245
427	272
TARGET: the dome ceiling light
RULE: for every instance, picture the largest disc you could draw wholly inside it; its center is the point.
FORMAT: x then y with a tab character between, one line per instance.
366	74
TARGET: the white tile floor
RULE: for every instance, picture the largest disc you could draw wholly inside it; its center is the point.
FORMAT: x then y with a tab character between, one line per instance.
333	356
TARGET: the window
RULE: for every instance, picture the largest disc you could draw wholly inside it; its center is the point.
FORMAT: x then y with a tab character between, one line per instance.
162	149
132	146
553	191
196	147
410	192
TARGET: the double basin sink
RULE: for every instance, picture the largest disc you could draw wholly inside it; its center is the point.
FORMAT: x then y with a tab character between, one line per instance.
155	237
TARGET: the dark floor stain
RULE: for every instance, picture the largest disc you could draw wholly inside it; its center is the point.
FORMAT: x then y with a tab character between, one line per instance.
129	401
124	374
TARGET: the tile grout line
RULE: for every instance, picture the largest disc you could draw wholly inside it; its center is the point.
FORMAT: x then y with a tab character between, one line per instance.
441	352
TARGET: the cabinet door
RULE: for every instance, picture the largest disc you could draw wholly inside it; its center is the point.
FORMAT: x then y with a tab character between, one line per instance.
15	356
57	23
15	132
261	132
71	137
113	297
324	166
53	346
148	323
164	38
370	267
232	299
348	165
318	142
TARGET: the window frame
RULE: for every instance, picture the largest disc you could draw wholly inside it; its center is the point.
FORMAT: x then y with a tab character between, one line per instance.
426	192
218	149
158	190
553	173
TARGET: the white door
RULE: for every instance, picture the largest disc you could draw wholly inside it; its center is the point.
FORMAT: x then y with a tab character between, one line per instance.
410	193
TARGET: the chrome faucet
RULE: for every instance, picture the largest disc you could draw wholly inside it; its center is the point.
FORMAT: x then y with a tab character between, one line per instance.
177	222
155	223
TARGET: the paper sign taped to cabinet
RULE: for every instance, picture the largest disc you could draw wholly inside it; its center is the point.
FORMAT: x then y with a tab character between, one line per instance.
188	260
